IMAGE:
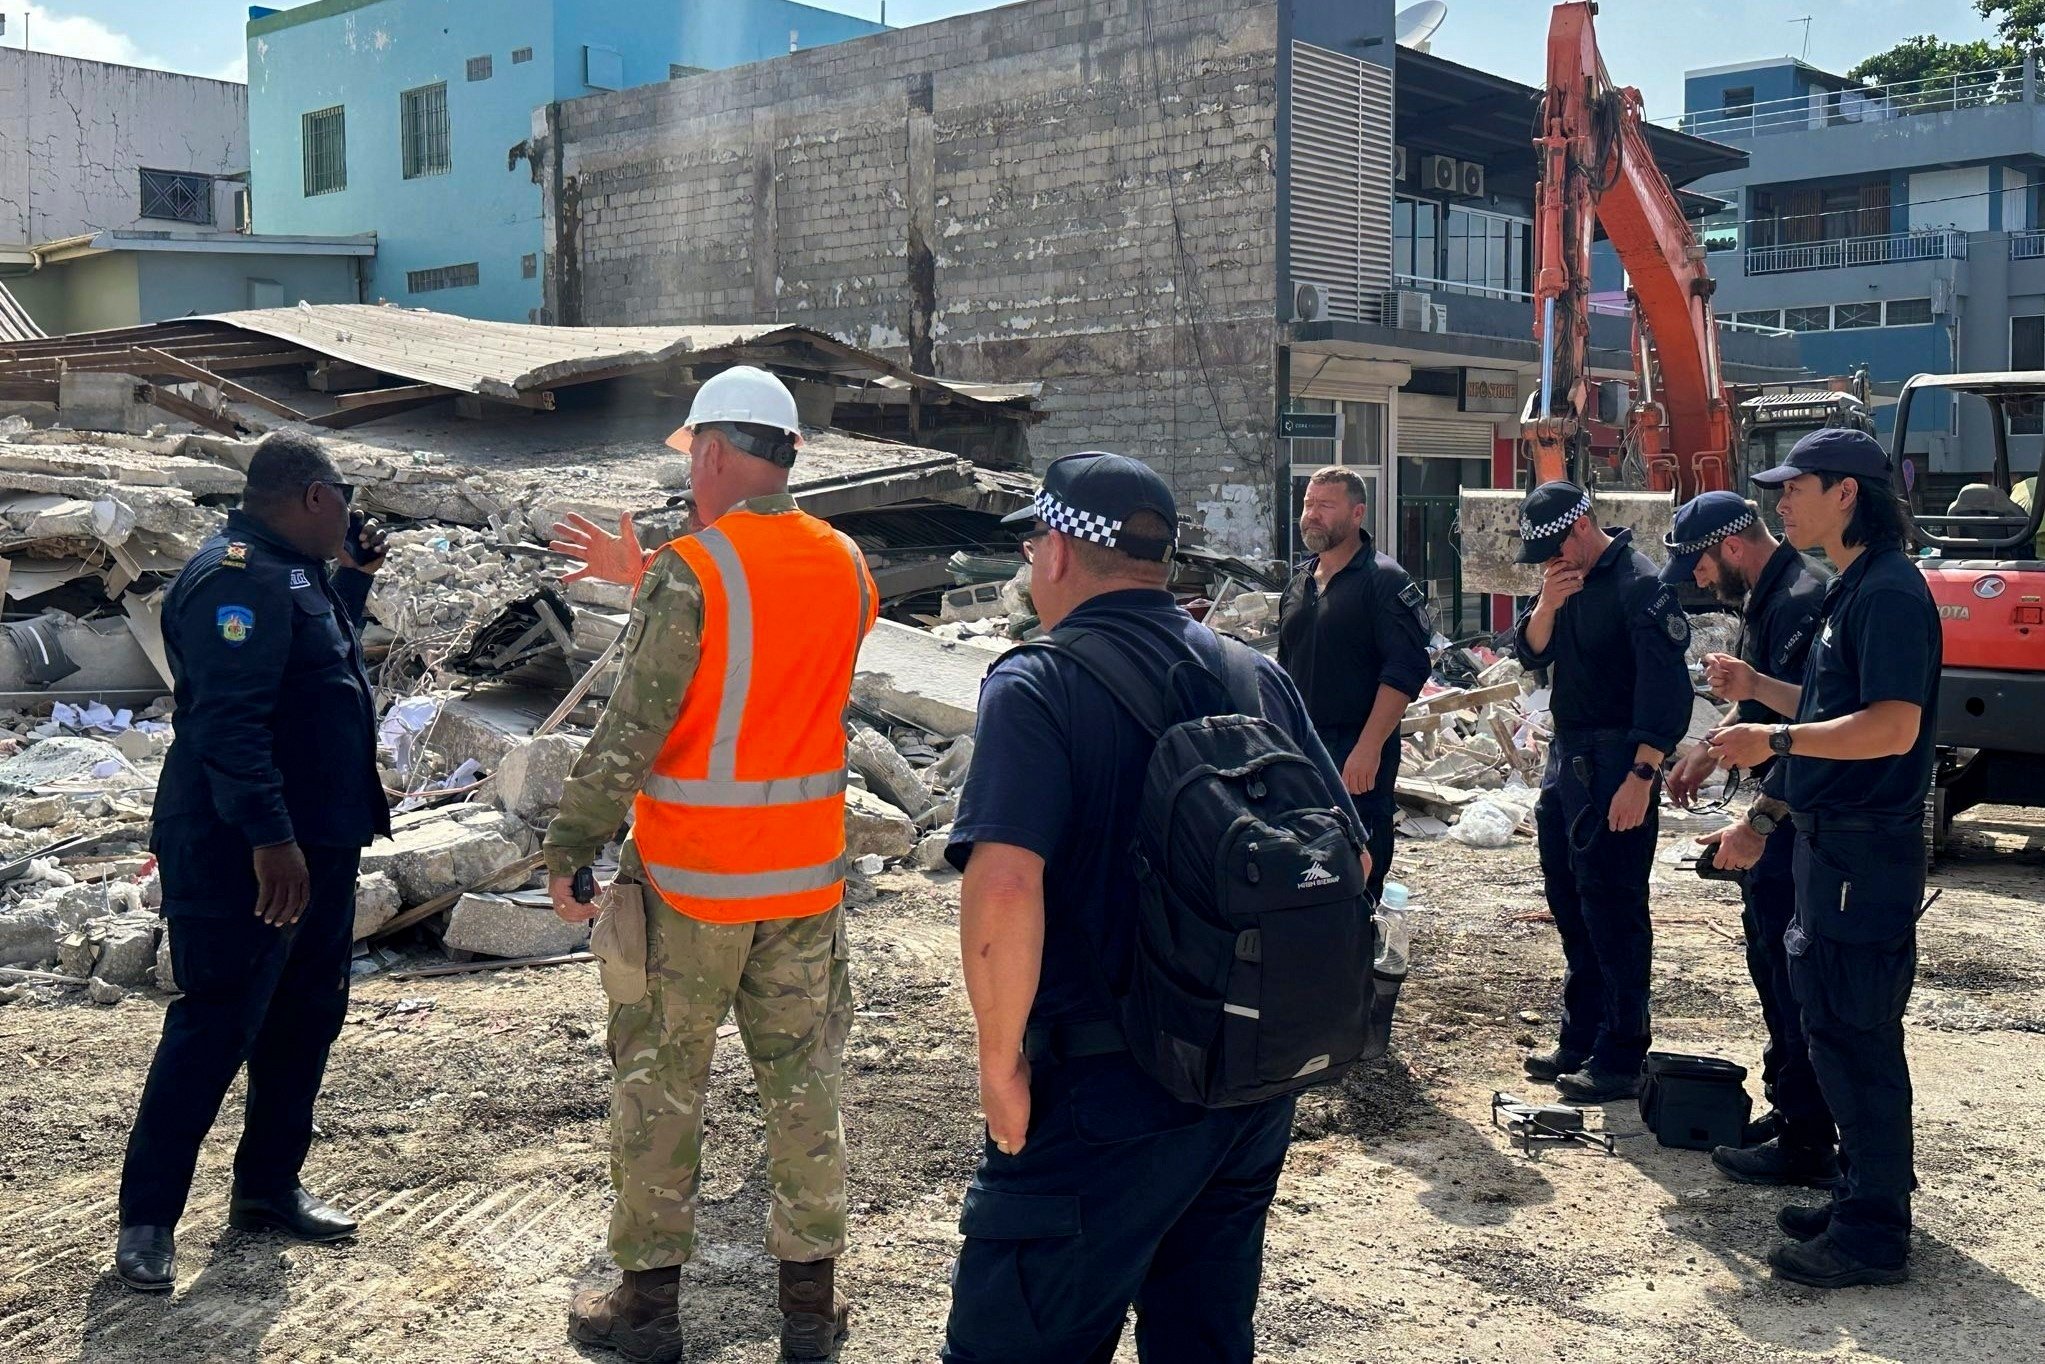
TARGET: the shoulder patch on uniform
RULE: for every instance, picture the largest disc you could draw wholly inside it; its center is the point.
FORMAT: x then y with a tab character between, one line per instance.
1667	612
1677	626
237	555
235	623
1412	595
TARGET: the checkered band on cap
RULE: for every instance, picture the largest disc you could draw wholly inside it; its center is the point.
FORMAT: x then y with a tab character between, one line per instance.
1745	520
1070	520
1530	531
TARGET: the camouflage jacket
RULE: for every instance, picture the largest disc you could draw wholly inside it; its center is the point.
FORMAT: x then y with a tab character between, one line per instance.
663	642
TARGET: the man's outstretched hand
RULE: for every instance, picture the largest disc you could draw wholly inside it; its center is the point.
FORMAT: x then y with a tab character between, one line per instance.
605	557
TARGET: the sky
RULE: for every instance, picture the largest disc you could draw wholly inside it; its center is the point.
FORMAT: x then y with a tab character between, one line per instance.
1647	43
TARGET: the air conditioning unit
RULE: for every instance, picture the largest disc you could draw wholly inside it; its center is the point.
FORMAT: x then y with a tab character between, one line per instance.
1409	310
1439	173
1469	180
1399	165
1438	318
1309	301
242	220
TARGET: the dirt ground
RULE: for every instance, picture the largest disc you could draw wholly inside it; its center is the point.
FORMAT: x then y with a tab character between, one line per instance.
464	1124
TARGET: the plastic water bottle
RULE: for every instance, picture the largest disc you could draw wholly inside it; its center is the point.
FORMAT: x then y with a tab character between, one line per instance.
1395	938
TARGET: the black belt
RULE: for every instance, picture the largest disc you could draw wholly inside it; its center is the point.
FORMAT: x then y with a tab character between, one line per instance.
1069	1041
1811	822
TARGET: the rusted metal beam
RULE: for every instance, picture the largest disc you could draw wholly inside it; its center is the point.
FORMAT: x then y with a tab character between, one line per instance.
380	397
161	363
423	395
219	422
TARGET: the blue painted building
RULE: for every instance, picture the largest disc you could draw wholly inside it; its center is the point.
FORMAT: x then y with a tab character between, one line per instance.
1895	227
401	117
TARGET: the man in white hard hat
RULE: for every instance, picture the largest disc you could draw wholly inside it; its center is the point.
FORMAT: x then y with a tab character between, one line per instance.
724	741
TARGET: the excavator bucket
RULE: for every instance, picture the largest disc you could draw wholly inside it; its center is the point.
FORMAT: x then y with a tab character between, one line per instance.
1489	538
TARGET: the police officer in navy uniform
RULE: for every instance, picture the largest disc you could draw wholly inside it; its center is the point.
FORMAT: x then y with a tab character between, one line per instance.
1612	637
1353	631
269	794
1860	755
1096	1187
1720	542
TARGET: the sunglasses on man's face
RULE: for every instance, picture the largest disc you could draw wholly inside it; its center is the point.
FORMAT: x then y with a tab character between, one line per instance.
346	490
1029	543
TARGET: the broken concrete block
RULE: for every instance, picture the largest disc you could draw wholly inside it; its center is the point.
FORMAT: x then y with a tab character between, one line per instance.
127	954
166	973
429	860
487	724
499	926
77	953
929	853
62	759
887	772
376	904
940	815
104	991
27	938
949	772
874	826
530	778
918	678
38	812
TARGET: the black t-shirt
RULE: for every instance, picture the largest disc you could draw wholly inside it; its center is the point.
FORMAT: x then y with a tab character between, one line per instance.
1879	641
1781	620
1368	629
1617	653
1058	768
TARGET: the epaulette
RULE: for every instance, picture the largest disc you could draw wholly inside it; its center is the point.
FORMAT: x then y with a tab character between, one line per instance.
237	555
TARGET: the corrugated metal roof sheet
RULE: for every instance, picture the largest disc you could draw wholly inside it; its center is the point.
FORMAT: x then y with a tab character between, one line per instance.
490	359
15	323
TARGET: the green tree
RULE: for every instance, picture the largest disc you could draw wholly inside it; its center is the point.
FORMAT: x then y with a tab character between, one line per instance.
1926	56
2018	21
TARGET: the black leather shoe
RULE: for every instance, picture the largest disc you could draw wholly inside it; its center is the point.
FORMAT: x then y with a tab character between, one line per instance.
1820	1263
1593	1086
1767	1127
1548	1066
1799	1223
146	1259
297	1214
1772	1162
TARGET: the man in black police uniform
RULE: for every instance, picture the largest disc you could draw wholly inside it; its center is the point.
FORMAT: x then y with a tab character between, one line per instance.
1860	757
1108	1189
1612	637
1353	631
1720	542
269	794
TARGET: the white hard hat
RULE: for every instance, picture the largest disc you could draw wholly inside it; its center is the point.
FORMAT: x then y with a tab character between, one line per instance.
742	393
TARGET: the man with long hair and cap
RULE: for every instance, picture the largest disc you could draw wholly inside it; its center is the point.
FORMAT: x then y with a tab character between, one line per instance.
725	742
1858	760
1612	637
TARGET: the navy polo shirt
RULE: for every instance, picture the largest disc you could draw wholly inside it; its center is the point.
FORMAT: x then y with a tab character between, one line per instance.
1879	641
1058	768
1369	629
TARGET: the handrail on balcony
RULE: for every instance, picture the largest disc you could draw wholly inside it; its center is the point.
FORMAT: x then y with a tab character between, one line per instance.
1865	104
2028	244
1841	253
1457	286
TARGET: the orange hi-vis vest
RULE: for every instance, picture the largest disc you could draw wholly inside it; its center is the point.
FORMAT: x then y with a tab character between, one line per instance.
743	818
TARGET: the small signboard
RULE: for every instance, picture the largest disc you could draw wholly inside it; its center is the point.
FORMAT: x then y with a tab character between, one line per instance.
1495	391
1310	425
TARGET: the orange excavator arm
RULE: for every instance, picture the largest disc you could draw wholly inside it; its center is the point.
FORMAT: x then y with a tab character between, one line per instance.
1596	169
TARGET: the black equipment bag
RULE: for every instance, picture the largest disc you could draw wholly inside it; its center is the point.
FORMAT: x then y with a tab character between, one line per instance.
1694	1102
1251	975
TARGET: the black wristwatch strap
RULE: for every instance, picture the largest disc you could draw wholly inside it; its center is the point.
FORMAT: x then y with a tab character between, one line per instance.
1646	771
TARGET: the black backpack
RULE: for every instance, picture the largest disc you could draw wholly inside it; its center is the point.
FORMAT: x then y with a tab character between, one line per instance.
1251	976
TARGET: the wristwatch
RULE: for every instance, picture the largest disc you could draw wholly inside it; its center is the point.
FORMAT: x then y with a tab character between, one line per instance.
1762	822
1778	740
1645	771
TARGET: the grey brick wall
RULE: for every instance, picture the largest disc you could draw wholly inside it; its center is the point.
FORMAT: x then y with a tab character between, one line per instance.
1081	192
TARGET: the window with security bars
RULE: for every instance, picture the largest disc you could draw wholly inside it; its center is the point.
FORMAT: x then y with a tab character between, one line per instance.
177	197
480	68
423	131
324	135
443	277
521	55
1849	316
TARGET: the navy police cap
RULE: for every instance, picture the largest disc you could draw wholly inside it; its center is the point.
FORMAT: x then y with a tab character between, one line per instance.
1834	450
1092	495
1545	518
1700	523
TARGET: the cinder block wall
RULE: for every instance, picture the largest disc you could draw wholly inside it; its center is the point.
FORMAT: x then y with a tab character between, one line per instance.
1074	191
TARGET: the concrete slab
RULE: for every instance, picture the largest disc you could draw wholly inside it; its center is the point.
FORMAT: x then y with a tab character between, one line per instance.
499	926
915	677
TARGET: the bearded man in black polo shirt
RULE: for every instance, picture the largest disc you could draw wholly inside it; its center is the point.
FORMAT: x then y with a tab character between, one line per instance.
1353	631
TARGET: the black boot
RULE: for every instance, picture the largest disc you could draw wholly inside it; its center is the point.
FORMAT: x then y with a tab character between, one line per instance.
146	1259
1820	1263
1767	1127
640	1318
1596	1085
1800	1223
813	1321
297	1214
1548	1066
1774	1162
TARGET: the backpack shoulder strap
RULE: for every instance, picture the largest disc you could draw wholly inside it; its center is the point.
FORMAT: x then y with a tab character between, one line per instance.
1239	670
1109	666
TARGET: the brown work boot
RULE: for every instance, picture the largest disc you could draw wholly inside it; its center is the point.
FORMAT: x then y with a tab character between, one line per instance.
638	1318
813	1321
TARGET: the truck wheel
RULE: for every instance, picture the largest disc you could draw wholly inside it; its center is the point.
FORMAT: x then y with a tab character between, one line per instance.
1936	824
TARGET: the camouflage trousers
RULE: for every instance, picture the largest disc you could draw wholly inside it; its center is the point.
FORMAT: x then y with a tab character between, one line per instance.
786	981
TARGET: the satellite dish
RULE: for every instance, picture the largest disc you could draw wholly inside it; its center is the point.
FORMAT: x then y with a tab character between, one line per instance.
1417	23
